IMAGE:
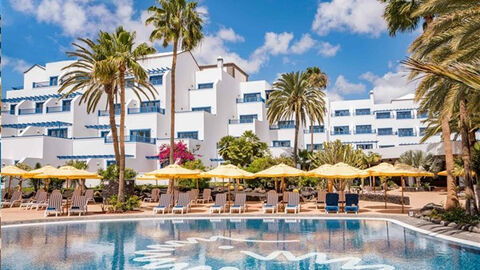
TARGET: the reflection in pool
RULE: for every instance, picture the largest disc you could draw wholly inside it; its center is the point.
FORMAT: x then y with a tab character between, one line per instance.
229	244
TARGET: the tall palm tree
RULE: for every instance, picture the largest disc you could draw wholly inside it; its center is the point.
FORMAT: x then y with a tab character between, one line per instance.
176	22
293	98
318	80
95	77
421	160
401	16
125	58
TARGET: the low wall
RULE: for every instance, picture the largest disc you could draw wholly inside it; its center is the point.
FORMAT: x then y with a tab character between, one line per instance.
379	197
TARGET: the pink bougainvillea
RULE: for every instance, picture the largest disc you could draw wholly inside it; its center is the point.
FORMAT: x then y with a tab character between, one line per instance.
180	153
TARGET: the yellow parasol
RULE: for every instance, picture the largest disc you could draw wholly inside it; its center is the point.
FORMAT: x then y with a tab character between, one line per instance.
12	171
280	171
173	171
456	172
339	170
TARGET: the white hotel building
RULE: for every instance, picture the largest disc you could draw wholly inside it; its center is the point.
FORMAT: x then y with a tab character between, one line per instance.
212	101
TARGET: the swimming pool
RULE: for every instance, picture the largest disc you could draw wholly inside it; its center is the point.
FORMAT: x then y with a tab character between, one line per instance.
229	244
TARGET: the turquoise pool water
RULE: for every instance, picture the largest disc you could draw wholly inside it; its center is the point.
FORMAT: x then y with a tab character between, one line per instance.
229	245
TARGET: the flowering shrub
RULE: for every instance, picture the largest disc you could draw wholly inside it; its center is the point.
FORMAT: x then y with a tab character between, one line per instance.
180	153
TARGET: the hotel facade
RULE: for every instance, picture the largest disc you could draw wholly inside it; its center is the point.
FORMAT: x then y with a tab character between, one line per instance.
211	102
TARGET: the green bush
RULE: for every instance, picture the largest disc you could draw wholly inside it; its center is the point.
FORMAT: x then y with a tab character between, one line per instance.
460	216
129	204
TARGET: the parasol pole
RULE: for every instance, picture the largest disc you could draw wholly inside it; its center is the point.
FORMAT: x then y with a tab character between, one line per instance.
283	184
385	192
373	183
228	193
403	186
197	185
9	186
276	184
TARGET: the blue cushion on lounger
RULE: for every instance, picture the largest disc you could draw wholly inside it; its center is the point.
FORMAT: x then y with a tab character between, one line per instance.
51	208
236	206
268	205
216	206
331	208
352	208
75	207
291	206
178	206
160	206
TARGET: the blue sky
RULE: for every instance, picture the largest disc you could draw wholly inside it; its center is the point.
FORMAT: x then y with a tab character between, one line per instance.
345	38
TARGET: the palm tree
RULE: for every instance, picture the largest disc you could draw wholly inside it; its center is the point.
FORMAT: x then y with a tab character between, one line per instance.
421	160
335	152
125	58
95	77
318	80
401	16
293	98
176	22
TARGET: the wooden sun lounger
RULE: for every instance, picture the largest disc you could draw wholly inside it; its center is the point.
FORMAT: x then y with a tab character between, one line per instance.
240	203
54	204
41	202
272	202
183	204
293	203
79	205
154	197
164	204
89	194
15	199
206	196
30	201
220	202
321	197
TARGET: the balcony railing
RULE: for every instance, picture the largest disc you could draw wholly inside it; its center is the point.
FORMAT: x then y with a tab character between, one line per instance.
365	132
41	84
241	121
413	134
250	99
58	109
284	126
30	111
106	112
387	133
133	139
340	133
149	109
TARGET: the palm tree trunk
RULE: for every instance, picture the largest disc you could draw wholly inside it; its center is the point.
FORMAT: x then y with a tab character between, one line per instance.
452	199
113	124
471	204
295	146
311	136
121	180
172	110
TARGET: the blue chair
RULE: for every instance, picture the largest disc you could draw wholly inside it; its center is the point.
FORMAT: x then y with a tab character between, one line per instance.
331	203
351	203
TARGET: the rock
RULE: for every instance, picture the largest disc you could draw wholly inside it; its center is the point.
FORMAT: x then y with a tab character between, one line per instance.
436	220
428	208
452	225
444	223
476	229
427	218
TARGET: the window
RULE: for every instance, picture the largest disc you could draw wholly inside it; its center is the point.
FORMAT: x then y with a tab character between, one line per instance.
188	135
385	131
316	146
156	80
66	105
342	113
140	135
205	85
404	114
365	146
383	115
57	132
152	103
341	130
104	133
286	124
129	82
362	111
111	162
205	109
405	132
39	107
252	97
267	93
363	129
54	81
281	143
12	108
248	118
422	114
386	146
316	129
422	131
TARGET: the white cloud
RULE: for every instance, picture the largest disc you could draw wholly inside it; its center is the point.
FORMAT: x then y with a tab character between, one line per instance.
328	50
343	87
203	12
332	96
228	34
18	65
369	76
304	44
276	43
357	16
392	85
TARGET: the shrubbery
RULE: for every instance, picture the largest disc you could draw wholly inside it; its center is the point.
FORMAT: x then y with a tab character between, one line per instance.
130	204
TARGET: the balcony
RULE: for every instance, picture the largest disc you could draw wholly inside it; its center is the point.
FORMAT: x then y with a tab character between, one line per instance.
58	109
340	133
250	99
30	111
106	112
133	139
241	121
364	132
149	109
41	84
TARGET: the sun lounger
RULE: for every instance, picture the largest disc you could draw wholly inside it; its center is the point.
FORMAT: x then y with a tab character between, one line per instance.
79	205
40	197
176	193
193	195
29	202
15	199
41	202
54	204
154	197
206	196
321	196
4	192
272	202
240	203
89	194
77	192
351	203
220	201
164	203
293	202
285	197
331	203
183	204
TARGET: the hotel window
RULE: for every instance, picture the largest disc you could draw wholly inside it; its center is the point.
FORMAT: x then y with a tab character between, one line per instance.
12	108
365	146
156	80
129	82
150	104
188	135
362	111
422	114
422	131
286	124
54	81
386	146
385	131
39	107
363	129
383	115
316	146
267	93
205	85
205	109
111	162
248	118
57	132
341	130
404	114
281	143
252	97
405	132
104	133
66	104
140	135
342	113
316	129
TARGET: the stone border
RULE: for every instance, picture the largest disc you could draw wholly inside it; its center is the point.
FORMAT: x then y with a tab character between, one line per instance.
403	221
